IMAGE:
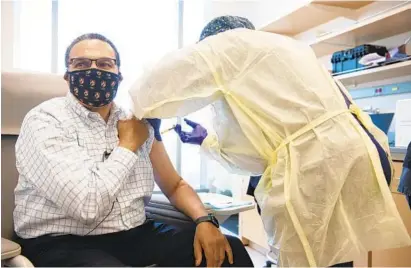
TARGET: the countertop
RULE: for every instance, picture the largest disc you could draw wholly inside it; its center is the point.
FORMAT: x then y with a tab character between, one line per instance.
398	153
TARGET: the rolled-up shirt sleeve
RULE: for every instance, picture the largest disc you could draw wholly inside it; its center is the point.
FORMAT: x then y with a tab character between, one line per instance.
50	157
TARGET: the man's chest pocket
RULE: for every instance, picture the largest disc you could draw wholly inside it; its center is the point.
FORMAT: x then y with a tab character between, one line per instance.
91	141
71	133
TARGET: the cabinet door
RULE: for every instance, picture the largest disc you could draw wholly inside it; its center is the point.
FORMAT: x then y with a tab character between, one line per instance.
251	226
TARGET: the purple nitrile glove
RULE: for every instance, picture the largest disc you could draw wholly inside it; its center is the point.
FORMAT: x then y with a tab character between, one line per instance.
196	136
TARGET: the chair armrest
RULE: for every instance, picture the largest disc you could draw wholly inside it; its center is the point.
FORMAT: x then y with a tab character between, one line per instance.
18	261
10	254
9	249
159	208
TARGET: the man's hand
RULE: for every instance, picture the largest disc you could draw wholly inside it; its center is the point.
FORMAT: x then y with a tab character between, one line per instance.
209	239
132	133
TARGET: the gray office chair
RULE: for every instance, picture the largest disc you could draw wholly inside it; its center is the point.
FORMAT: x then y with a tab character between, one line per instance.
10	251
20	93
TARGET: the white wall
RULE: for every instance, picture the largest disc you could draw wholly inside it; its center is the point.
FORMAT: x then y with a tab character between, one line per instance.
7	34
259	12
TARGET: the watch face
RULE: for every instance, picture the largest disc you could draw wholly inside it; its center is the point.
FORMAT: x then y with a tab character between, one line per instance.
214	221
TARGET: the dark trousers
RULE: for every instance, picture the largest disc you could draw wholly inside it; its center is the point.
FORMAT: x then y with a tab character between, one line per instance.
254	180
151	243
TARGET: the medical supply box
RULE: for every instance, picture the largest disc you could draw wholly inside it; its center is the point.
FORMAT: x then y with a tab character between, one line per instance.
347	60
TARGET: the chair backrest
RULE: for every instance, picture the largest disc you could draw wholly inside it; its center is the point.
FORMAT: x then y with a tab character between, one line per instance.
9	178
20	92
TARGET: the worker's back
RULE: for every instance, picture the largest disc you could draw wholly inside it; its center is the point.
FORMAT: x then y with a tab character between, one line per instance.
323	195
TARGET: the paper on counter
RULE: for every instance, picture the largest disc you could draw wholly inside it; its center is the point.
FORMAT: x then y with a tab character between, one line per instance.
218	201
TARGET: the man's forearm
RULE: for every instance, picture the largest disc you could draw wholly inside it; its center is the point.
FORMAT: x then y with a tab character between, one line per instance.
187	200
180	194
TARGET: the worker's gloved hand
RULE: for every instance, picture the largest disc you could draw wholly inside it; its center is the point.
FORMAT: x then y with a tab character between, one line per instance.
196	136
156	123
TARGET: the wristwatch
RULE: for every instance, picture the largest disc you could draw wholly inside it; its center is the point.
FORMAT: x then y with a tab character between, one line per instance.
209	218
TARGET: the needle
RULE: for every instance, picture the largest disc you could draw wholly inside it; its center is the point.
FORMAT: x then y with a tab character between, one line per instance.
168	130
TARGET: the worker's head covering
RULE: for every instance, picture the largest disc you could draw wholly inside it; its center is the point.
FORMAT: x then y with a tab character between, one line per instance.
225	23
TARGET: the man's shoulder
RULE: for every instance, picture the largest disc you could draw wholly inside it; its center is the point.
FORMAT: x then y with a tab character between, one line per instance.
53	110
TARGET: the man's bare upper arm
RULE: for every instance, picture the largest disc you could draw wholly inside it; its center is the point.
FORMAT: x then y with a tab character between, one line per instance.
166	175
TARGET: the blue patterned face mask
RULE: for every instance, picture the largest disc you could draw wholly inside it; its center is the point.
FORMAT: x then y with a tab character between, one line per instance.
94	87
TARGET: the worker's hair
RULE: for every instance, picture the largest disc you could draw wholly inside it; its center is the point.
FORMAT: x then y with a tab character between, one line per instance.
225	23
90	36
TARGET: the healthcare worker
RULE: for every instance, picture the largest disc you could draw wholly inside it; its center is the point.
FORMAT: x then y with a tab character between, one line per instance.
323	194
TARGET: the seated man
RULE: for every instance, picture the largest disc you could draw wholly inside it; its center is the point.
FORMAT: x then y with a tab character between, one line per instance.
86	171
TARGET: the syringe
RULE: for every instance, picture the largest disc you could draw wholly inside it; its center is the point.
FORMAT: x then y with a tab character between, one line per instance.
168	130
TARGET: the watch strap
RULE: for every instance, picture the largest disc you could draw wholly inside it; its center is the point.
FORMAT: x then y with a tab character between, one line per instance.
209	218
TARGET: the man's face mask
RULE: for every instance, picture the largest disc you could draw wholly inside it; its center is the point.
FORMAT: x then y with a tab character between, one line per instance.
94	87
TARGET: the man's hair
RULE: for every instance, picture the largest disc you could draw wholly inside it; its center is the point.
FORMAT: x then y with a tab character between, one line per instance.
90	36
225	23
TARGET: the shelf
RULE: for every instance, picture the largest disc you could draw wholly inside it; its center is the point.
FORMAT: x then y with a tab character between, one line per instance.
384	25
346	4
315	13
376	74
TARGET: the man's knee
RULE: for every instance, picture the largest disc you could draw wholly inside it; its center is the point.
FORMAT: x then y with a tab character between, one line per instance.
79	258
235	242
179	251
240	254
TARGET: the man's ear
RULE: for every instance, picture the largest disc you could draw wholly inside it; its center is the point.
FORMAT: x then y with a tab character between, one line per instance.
67	78
120	76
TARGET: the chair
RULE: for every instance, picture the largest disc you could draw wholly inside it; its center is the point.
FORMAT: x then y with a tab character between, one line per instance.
20	93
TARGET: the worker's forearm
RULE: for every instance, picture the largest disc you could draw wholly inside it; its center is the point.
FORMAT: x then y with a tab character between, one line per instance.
187	200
